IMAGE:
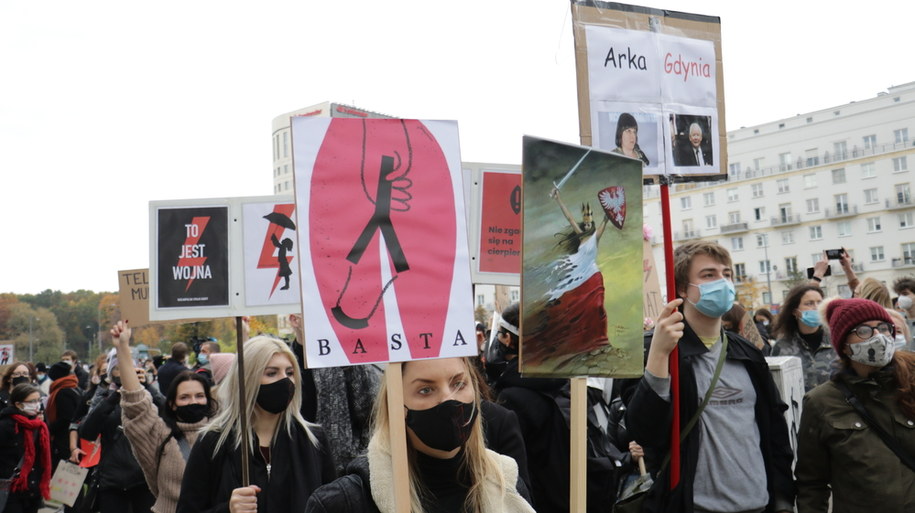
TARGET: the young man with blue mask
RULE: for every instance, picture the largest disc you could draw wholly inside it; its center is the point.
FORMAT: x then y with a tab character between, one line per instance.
737	457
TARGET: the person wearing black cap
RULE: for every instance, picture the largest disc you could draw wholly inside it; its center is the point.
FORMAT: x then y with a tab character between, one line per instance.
840	450
63	402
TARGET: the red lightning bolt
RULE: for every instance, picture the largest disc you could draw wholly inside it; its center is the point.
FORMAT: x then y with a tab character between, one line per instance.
267	259
201	223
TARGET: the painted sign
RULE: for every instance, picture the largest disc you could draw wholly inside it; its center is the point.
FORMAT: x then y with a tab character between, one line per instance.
582	238
386	274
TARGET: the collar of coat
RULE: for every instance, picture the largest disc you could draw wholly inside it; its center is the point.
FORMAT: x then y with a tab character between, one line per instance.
381	477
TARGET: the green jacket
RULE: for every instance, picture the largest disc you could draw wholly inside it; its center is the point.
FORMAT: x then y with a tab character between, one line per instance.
818	365
838	451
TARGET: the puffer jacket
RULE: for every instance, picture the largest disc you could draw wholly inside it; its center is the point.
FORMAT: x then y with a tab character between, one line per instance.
838	450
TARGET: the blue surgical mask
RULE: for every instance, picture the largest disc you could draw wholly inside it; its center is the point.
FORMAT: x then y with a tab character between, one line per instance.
715	297
203	359
811	318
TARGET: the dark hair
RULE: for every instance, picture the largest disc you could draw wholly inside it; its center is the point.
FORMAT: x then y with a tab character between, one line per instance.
785	324
166	411
21	391
763	312
214	346
570	240
512	315
8	375
625	121
179	351
71	353
904	283
734	316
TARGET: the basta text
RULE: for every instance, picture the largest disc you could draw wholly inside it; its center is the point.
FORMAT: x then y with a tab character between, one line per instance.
397	341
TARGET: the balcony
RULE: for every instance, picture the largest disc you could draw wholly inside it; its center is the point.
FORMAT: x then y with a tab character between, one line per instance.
734	228
686	235
841	211
858	268
786	220
904	262
901	201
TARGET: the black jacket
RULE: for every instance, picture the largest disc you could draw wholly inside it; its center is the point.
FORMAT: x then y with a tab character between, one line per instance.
67	403
649	418
12	447
167	373
298	468
503	435
117	468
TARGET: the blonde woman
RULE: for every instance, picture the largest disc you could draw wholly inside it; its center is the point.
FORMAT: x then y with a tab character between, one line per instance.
288	457
451	471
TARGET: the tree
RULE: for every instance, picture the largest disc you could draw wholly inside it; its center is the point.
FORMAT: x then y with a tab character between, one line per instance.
747	293
47	340
794	279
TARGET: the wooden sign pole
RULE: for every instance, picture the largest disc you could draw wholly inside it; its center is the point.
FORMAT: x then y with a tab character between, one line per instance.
398	427
242	413
578	443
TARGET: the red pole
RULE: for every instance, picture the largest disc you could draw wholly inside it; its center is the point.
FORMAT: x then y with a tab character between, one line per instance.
675	354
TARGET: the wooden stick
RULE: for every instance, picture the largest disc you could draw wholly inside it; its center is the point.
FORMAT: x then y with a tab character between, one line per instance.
578	470
398	427
242	410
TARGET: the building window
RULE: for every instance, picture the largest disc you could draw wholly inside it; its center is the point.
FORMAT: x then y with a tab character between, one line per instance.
841	150
784	161
844	228
765	267
838	175
870	196
734	169
759	213
788	237
782	185
784	212
767	297
276	147
758	163
810	181
734	217
870	142
736	243
908	253
791	265
873	224
481	300
285	144
877	254
903	194
514	295
900	164
686	203
816	257
285	169
901	136
816	232
688	230
732	194
757	189
708	198
841	203
762	240
813	205
868	170
711	222
740	272
906	220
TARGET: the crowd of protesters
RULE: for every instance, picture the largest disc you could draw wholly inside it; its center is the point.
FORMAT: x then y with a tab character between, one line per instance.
481	436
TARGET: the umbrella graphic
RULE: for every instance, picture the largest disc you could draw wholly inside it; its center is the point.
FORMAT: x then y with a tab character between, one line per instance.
613	200
280	219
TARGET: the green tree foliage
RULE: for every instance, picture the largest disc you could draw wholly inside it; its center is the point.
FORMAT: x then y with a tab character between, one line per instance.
47	339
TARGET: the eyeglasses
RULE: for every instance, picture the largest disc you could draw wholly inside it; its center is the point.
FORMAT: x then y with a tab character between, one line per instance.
865	332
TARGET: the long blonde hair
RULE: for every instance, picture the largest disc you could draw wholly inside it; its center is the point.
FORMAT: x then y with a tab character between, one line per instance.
475	460
258	352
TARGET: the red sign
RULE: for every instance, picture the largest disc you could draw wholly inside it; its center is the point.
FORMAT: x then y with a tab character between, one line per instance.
500	223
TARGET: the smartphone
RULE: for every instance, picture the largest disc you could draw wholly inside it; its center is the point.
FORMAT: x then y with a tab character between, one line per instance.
834	254
810	272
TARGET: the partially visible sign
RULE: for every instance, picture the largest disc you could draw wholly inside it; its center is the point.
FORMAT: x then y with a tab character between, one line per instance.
133	296
651	284
500	223
7	354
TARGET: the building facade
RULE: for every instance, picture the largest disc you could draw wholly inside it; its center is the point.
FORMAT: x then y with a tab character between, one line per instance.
834	178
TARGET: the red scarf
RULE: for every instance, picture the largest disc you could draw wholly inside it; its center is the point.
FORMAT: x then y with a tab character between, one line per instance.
58	385
30	426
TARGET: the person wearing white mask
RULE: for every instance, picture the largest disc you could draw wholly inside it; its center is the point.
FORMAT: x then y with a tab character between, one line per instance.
799	332
840	448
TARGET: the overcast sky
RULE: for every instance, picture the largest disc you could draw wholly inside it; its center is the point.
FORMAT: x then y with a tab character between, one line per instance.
106	105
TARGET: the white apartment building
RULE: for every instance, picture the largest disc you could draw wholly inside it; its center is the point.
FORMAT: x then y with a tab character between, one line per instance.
833	178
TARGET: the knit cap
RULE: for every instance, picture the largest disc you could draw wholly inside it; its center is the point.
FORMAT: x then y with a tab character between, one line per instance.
220	363
844	315
59	370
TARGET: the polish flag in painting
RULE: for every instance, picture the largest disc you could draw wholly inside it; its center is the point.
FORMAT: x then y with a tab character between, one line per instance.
385	269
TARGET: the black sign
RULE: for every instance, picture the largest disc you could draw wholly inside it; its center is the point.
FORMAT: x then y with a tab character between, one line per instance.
193	257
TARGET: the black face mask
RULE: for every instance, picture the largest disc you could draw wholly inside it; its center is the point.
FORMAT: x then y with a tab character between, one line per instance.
444	427
275	397
18	380
116	380
103	378
191	413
